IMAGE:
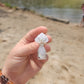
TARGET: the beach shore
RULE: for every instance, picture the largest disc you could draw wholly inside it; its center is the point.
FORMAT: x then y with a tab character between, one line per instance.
66	59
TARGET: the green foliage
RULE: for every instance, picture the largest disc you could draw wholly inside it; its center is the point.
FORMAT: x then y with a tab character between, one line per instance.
45	3
8	5
68	3
42	15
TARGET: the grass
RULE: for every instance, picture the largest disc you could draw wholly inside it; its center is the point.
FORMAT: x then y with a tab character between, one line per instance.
47	3
68	3
8	5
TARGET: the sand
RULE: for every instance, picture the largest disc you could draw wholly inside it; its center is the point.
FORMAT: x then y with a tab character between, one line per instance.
66	59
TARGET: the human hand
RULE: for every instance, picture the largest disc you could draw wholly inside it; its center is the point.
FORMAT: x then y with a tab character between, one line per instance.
22	62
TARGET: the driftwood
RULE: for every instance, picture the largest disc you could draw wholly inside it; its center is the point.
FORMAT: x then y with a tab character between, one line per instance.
59	20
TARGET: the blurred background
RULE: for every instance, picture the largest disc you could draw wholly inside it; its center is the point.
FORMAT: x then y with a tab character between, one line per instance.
64	9
66	59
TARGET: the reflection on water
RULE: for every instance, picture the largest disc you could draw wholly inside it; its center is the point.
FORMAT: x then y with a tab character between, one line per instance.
74	15
47	8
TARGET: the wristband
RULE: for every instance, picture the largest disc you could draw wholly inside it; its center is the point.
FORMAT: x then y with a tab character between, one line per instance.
4	80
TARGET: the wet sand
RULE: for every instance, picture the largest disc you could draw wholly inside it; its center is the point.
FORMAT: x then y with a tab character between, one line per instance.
66	59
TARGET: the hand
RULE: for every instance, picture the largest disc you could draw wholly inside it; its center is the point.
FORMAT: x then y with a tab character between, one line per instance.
22	63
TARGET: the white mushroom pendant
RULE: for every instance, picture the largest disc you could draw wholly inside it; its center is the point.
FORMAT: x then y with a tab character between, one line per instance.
42	39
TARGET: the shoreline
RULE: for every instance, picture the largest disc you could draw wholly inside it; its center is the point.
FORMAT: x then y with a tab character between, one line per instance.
15	8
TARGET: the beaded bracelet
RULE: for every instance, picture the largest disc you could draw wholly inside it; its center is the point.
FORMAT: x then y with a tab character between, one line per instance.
4	80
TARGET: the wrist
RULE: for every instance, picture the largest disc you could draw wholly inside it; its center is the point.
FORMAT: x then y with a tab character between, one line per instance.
9	76
3	79
12	77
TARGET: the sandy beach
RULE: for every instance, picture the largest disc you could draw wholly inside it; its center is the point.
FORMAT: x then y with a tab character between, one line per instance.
66	59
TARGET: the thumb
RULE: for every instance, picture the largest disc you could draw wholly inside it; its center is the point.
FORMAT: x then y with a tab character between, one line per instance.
29	49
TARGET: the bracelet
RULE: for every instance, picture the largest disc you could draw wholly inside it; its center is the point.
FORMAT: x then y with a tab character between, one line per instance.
4	80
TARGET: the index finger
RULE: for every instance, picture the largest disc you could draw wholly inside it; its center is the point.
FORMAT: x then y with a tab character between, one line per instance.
30	36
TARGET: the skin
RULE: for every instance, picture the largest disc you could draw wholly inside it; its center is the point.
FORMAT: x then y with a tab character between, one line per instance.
22	63
2	5
82	21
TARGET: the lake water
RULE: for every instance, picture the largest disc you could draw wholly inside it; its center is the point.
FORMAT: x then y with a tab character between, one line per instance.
48	8
74	15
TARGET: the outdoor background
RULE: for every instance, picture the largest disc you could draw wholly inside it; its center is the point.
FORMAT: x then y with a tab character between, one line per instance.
64	9
66	59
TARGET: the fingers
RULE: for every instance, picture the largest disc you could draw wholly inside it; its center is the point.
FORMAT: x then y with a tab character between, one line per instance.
49	38
30	36
28	49
44	61
32	48
40	63
47	47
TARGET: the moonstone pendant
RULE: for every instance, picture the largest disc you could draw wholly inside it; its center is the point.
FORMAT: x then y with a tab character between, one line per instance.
42	39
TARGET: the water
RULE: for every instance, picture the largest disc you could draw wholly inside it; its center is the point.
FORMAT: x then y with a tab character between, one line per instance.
53	8
74	15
